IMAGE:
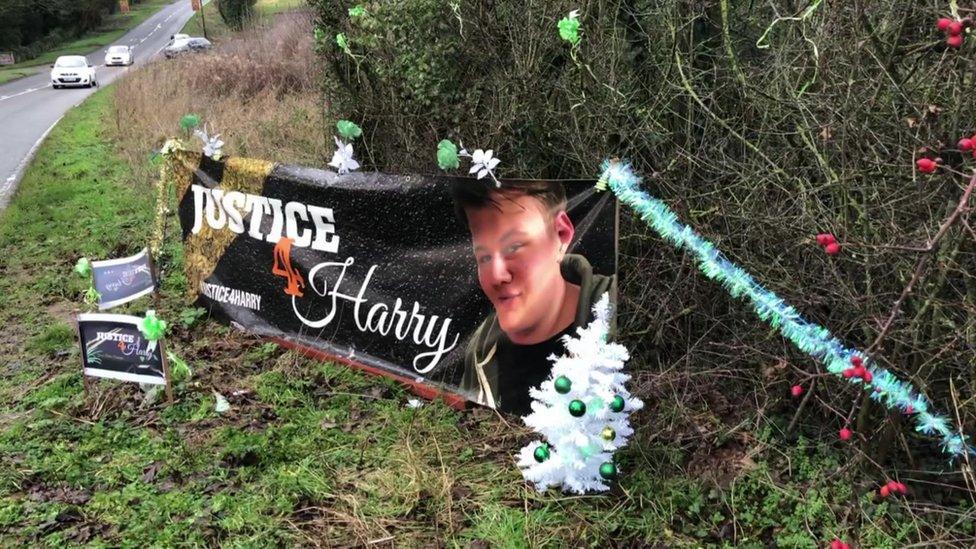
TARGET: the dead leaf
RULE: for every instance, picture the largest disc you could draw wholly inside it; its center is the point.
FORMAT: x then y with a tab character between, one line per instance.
149	473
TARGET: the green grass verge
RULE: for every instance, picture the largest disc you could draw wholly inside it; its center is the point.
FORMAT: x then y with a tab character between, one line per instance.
314	453
115	26
216	27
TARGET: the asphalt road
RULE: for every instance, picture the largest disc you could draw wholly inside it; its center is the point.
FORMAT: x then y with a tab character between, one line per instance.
30	107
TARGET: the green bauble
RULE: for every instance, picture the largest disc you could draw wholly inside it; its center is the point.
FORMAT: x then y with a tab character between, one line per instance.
562	385
541	453
618	404
577	408
608	470
608	434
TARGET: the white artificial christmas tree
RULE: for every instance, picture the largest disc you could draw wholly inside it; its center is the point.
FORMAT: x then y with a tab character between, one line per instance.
583	412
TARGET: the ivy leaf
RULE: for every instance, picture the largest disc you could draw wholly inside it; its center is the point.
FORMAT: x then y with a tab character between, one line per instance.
348	130
569	27
357	11
447	155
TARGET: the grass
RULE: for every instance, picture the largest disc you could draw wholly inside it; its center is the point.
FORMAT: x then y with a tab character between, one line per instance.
116	25
313	453
216	28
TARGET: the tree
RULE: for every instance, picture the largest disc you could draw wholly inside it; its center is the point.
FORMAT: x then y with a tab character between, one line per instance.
236	13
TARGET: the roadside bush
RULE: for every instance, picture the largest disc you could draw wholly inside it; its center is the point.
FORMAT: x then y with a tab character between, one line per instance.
758	145
258	89
236	13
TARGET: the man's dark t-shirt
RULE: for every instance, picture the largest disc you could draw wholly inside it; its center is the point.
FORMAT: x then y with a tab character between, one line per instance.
498	373
524	366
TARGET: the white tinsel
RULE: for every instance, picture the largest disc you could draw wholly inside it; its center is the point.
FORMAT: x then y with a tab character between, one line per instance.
577	449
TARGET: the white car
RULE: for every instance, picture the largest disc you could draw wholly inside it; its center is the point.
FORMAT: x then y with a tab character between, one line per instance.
118	55
73	70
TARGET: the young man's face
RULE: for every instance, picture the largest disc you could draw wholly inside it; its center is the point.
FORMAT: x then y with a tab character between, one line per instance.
518	247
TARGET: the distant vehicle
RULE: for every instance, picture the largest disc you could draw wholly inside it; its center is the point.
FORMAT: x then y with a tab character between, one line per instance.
179	36
186	45
73	70
118	55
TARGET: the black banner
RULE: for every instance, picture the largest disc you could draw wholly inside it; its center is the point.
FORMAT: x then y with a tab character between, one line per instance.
113	347
371	268
123	280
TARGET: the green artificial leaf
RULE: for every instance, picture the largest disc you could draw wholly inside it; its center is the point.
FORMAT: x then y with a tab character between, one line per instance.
357	11
152	327
342	42
83	267
178	368
569	28
447	155
348	130
189	121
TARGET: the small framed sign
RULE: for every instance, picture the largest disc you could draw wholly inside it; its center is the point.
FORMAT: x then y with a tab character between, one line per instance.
113	347
123	280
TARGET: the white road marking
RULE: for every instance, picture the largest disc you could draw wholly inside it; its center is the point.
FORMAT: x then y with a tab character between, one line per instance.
10	183
28	90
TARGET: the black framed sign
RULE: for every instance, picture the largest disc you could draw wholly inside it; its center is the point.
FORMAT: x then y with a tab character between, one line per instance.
123	280
410	276
113	347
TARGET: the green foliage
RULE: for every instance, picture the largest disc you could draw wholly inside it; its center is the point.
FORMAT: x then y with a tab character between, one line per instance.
191	315
53	338
236	13
757	148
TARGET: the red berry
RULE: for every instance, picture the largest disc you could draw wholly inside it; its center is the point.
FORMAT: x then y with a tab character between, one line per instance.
845	434
845	545
954	41
955	28
892	485
901	487
926	165
832	249
849	373
857	362
867	376
859	371
909	409
943	23
825	238
796	390
837	544
965	144
884	491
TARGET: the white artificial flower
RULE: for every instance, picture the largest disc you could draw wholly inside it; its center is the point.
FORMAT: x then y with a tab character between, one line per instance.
483	163
170	146
574	14
211	145
414	403
342	159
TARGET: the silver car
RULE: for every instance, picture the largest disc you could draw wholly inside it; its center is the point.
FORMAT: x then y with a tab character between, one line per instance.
186	45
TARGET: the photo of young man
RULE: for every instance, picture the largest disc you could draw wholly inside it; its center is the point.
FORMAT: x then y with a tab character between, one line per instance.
521	235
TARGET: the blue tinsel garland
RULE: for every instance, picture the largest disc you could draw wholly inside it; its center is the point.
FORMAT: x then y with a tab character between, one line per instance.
812	339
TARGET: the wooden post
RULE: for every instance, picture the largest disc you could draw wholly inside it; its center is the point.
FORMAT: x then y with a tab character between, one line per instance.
166	374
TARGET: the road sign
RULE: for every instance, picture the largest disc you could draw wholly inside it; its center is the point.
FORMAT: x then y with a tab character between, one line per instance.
6	58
